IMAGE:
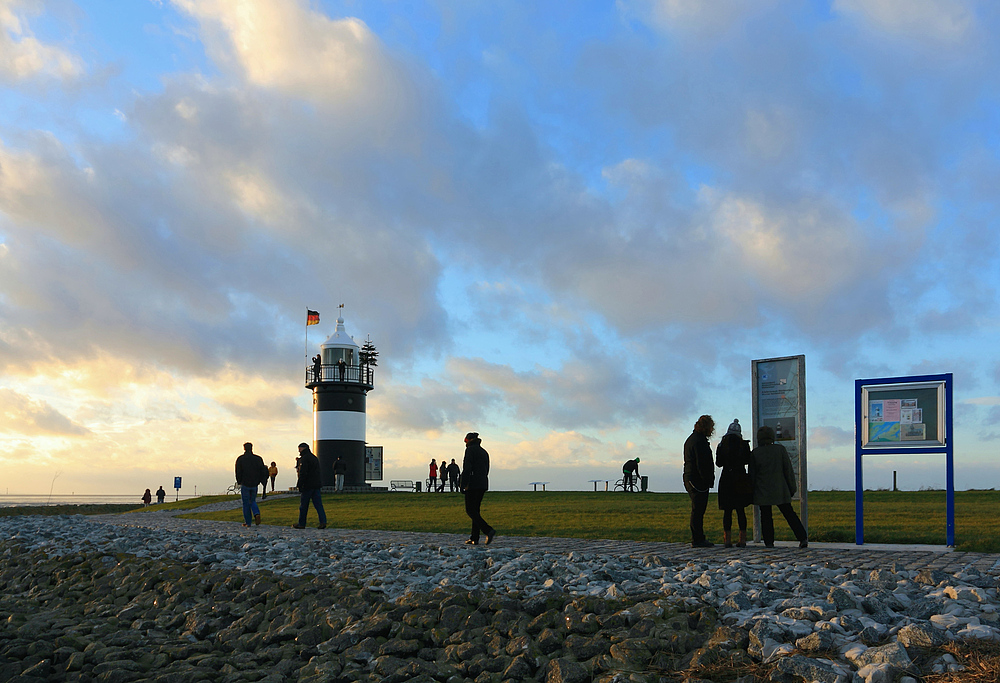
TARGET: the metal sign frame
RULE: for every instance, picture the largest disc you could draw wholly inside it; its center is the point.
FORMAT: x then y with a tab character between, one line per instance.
867	392
766	390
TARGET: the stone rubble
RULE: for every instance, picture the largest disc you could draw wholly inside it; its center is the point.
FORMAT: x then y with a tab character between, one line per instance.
91	600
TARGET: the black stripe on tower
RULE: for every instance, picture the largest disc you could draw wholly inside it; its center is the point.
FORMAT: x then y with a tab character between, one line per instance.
339	397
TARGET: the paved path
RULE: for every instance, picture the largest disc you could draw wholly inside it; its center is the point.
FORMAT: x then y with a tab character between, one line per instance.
869	556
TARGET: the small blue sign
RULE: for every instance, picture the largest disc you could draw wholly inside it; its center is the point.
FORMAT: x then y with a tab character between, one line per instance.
177	482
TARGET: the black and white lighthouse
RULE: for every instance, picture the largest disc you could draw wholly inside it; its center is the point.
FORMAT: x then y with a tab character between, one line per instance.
340	384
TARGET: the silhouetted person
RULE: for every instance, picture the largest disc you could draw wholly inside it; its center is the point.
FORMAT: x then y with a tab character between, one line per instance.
454	472
342	367
699	477
147	498
317	368
475	483
309	485
160	495
774	484
339	470
630	473
735	487
251	472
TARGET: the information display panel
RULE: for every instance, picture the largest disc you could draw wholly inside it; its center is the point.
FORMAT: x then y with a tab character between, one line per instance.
907	415
779	402
373	463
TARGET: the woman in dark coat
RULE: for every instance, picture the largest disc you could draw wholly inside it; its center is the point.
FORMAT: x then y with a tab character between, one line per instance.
735	489
475	483
774	484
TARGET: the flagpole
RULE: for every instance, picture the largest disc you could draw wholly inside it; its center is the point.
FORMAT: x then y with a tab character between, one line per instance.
305	351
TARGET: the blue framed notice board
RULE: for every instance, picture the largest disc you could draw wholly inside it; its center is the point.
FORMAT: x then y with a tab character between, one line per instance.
903	416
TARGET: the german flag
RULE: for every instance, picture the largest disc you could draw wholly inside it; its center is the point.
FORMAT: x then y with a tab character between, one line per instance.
312	317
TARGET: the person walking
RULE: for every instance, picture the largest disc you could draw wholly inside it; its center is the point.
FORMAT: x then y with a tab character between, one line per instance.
735	487
147	498
160	495
339	470
774	484
250	473
272	472
454	472
432	476
309	485
699	477
475	483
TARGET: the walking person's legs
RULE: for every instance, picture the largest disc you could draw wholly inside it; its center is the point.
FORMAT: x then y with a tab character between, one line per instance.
253	505
727	527
794	523
317	501
304	498
473	499
245	498
741	519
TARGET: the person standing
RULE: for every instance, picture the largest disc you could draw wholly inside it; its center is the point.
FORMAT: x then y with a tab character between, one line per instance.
453	474
272	472
475	483
735	488
774	484
317	368
699	477
341	367
147	498
630	474
339	470
160	495
250	472
432	476
309	485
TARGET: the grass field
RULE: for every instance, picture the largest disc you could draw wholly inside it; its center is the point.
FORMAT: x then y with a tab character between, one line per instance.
890	517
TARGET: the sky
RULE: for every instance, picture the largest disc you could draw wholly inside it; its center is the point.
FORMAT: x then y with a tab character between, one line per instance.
569	226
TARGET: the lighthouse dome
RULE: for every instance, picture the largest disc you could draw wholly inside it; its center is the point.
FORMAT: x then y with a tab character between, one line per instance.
339	346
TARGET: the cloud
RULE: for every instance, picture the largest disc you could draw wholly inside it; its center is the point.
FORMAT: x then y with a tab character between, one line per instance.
24	415
827	438
22	56
948	22
983	401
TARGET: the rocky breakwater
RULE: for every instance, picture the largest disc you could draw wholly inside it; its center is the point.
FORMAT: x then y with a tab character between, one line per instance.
86	600
97	617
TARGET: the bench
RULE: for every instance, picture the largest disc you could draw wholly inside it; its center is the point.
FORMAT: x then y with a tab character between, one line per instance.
595	482
403	485
536	484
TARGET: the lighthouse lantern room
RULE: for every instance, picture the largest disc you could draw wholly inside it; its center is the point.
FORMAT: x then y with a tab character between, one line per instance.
340	385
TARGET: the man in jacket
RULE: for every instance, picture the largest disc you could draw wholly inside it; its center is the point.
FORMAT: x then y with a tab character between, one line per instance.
475	483
250	472
309	485
339	470
453	474
699	477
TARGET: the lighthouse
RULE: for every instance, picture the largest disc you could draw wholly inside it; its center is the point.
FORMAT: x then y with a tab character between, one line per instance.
340	384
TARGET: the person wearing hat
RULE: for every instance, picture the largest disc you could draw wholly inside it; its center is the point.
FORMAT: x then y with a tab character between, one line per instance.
735	488
475	483
630	473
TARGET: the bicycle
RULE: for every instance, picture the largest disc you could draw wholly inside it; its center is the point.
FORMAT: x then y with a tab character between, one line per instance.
632	486
233	490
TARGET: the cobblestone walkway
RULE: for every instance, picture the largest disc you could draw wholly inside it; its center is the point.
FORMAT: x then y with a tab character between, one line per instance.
869	556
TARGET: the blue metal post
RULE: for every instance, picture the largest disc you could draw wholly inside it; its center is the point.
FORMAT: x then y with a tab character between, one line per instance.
859	485
949	455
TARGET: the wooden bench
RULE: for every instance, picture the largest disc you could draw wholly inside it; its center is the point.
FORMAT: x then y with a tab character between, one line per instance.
402	485
536	484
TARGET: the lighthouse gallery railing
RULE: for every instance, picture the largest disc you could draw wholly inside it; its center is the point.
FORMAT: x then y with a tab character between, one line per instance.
354	374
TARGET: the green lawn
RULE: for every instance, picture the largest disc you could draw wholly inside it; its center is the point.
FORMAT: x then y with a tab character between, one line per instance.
890	517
